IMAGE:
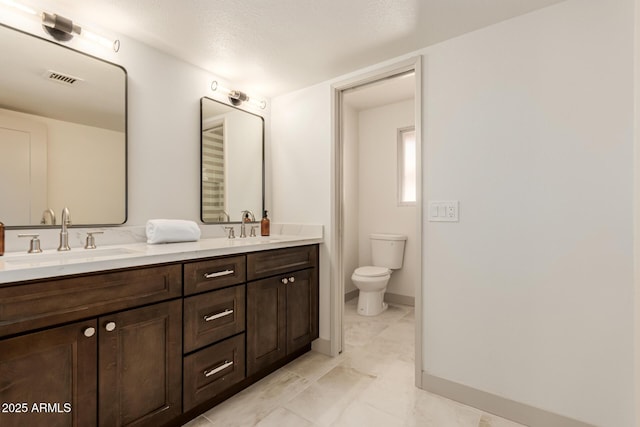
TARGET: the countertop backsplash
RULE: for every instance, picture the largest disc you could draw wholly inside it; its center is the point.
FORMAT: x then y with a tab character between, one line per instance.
127	234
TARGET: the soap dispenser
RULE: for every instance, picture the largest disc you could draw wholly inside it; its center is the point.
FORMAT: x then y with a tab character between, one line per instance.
265	225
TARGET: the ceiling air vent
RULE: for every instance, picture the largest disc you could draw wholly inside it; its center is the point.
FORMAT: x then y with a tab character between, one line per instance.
61	78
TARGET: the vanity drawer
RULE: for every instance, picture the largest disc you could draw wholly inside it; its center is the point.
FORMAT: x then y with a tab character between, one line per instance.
277	261
212	274
41	304
212	370
213	316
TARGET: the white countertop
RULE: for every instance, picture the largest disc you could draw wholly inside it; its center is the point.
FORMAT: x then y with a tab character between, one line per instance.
20	266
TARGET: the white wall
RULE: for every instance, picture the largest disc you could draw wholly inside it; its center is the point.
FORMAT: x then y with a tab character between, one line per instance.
529	124
301	180
378	189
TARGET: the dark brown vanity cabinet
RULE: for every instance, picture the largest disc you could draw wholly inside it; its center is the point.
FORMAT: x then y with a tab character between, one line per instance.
131	359
282	310
153	345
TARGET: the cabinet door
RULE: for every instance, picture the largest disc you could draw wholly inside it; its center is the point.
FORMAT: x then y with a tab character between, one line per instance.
302	308
140	366
266	323
49	378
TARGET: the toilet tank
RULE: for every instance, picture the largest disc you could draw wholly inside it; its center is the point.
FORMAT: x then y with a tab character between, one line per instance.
387	250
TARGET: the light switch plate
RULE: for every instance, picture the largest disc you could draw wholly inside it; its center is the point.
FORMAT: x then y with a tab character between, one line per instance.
444	210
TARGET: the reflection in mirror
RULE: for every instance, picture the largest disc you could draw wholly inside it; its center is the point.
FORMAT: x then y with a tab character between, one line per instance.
232	146
63	134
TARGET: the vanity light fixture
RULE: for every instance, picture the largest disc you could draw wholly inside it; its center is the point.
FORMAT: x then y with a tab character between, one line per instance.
237	97
62	29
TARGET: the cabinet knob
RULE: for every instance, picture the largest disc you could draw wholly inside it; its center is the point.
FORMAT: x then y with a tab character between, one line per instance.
110	326
292	279
89	332
285	280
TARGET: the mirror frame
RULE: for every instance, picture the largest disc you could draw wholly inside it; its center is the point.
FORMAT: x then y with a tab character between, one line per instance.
202	158
126	138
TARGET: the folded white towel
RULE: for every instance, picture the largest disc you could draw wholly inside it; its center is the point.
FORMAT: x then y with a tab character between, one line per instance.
172	231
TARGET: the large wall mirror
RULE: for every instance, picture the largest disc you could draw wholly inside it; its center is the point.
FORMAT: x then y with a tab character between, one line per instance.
63	134
232	162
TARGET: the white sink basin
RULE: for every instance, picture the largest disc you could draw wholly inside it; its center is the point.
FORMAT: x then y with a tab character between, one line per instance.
73	255
255	240
264	239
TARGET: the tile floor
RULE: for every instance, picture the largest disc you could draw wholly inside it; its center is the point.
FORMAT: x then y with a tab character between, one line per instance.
370	384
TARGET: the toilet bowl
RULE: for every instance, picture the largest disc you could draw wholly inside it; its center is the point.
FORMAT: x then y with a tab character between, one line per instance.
372	283
387	253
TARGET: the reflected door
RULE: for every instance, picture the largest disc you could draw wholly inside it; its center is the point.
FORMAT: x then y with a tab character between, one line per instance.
24	167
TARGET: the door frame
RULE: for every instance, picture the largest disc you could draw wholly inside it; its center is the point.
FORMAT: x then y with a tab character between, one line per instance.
337	209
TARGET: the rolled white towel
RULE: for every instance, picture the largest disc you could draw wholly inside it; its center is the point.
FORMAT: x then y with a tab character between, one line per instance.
172	231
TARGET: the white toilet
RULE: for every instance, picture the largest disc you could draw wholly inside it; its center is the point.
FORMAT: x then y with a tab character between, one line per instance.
387	253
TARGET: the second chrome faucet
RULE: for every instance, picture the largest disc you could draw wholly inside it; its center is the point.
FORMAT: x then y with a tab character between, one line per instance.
246	217
64	234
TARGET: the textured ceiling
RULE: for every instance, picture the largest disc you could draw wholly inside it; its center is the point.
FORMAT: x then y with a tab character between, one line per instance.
269	47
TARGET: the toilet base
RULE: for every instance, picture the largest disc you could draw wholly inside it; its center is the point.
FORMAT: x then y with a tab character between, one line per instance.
371	303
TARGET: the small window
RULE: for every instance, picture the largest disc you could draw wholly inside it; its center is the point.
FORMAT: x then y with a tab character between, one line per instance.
407	166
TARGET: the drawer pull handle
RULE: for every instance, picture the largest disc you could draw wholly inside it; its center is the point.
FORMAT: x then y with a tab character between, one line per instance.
227	312
218	274
222	367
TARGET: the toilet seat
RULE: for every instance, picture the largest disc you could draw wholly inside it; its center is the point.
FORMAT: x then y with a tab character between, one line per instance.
372	271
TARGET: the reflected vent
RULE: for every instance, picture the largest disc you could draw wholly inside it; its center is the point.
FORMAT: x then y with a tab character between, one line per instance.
61	78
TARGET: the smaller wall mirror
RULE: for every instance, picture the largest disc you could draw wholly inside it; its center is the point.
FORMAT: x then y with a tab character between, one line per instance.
232	162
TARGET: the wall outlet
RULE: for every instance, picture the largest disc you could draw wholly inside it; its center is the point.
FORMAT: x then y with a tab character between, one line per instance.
447	211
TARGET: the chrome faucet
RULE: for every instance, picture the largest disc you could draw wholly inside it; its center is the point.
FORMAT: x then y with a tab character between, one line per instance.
64	235
48	217
245	216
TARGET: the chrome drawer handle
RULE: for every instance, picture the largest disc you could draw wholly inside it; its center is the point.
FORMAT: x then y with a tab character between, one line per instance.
227	312
222	367
218	274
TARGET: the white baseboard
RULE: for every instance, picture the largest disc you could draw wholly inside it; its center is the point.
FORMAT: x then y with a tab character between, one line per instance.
500	406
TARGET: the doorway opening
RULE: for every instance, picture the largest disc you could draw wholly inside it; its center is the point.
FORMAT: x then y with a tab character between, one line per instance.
375	168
